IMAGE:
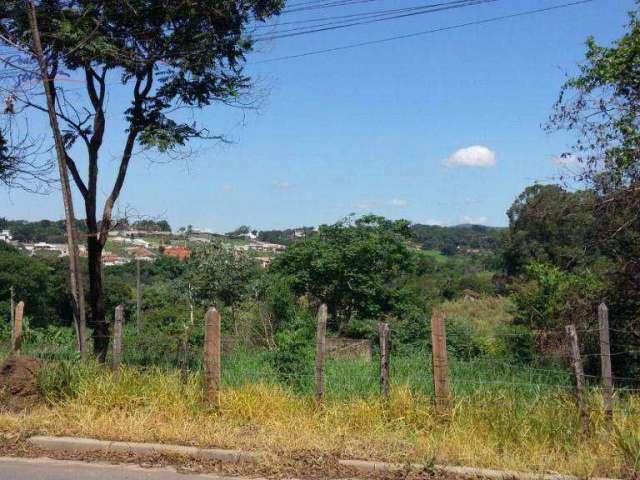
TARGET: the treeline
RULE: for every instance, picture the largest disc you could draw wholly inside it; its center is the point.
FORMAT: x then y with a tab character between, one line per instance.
449	241
50	231
53	231
457	239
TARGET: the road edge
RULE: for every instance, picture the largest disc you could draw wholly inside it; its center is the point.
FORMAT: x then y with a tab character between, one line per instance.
72	444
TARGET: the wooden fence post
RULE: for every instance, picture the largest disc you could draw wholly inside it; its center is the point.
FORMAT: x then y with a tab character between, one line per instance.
576	361
605	360
138	298
440	362
321	330
212	357
12	305
116	358
16	331
384	359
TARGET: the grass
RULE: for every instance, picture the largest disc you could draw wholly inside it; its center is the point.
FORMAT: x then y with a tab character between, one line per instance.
515	423
498	427
504	414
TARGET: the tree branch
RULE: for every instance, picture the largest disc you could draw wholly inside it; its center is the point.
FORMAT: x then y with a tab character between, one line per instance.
139	96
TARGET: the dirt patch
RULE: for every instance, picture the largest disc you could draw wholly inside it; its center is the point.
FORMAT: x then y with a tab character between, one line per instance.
19	382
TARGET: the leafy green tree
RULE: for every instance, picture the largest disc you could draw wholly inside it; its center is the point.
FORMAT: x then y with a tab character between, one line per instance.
222	277
601	104
32	281
164	53
355	266
549	224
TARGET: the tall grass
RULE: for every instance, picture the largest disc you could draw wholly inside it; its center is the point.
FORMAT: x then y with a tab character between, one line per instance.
504	414
495	427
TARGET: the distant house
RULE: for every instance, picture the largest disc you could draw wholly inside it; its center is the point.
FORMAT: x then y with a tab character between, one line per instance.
143	254
140	242
61	249
265	247
5	236
112	260
252	235
181	253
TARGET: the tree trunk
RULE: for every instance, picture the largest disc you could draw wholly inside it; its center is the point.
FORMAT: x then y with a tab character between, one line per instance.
96	298
75	273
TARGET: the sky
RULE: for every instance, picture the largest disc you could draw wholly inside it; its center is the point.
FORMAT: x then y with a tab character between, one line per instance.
442	128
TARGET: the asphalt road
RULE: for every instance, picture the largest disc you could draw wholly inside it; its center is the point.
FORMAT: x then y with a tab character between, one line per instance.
47	469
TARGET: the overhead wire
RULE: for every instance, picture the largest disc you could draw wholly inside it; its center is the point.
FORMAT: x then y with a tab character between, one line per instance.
424	32
356	15
294	32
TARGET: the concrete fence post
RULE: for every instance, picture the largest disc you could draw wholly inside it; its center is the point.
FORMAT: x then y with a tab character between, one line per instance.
16	330
440	362
116	358
212	377
576	362
321	330
605	360
383	331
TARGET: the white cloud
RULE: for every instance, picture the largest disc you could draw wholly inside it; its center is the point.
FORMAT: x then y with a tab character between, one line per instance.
397	202
474	156
227	188
474	220
282	184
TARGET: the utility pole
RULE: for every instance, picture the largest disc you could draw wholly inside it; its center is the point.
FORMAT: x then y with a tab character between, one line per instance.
75	274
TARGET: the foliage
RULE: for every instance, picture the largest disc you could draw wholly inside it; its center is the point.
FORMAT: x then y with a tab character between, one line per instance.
292	359
32	281
221	276
554	298
50	231
355	266
600	104
485	328
287	236
549	224
457	239
151	225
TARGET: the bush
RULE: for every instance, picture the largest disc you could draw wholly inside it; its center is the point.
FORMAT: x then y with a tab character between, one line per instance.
292	359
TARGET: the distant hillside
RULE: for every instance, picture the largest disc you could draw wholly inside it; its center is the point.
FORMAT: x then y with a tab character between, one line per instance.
285	237
447	240
457	239
51	231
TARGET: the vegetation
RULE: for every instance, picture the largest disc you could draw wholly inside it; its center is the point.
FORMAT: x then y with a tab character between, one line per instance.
507	295
142	44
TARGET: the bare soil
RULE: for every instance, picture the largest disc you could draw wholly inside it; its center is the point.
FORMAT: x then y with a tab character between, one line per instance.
19	382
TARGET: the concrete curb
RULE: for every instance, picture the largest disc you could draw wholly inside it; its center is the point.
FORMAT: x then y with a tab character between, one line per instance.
69	444
467	472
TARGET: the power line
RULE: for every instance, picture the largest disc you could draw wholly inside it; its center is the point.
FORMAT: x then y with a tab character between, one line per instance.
295	32
357	15
425	32
330	4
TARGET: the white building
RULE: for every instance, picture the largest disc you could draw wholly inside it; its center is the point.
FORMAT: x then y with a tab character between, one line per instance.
5	236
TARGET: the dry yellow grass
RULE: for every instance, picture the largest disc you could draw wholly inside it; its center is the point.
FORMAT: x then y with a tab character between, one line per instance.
490	429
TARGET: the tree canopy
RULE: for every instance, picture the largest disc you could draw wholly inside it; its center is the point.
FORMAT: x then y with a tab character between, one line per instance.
353	266
166	56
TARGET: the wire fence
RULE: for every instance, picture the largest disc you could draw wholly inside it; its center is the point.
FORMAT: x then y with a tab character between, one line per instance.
428	370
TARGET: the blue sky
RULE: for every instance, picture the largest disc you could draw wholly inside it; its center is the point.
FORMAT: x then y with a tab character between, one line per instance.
372	129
